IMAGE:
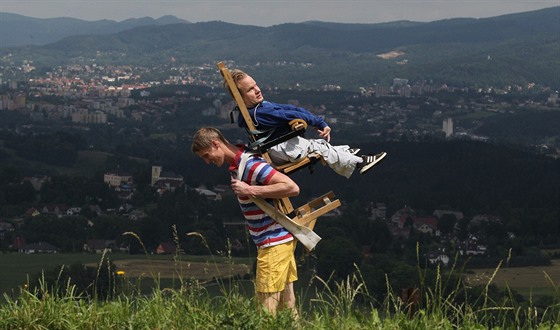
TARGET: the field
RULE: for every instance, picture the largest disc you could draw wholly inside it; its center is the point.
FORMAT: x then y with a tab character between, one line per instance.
15	268
202	271
88	162
526	280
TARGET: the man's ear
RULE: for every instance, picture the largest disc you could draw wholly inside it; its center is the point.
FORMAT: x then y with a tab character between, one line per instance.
216	143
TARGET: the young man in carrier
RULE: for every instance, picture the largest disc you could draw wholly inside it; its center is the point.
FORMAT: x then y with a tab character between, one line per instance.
268	116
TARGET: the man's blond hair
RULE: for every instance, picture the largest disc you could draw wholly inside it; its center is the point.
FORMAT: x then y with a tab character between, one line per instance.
203	138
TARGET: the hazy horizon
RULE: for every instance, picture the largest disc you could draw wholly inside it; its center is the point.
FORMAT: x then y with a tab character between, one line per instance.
273	12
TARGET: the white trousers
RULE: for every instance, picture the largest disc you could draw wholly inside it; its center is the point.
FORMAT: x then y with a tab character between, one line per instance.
338	158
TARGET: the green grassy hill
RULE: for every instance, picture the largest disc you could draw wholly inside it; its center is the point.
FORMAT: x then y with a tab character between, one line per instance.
504	50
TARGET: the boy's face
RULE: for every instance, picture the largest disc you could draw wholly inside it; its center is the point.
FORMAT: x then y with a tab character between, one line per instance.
212	154
250	91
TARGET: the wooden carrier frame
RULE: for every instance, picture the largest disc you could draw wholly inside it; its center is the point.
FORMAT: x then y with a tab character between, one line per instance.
305	215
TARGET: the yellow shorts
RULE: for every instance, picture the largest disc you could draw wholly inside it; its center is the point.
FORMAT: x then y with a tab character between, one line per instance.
276	267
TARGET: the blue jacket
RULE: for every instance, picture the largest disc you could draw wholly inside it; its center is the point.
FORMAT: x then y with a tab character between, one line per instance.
273	115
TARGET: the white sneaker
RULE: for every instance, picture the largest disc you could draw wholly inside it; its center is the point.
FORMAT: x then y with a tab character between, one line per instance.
370	161
354	151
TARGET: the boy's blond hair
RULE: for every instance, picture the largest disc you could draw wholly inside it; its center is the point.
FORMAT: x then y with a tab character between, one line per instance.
236	75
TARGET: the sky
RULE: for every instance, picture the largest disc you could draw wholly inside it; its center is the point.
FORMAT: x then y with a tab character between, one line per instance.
272	12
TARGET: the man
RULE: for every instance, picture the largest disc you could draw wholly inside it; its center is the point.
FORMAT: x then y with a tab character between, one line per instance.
276	266
268	116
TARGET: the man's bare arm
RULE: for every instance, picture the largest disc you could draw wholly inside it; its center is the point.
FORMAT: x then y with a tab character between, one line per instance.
279	186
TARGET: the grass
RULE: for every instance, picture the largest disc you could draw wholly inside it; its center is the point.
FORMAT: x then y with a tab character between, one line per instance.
163	136
341	305
479	114
201	270
17	267
88	162
448	303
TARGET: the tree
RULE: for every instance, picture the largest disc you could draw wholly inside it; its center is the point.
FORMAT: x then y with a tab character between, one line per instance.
9	174
463	232
446	223
19	193
339	255
113	227
66	233
381	238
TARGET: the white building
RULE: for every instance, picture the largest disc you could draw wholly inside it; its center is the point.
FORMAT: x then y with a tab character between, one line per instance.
448	127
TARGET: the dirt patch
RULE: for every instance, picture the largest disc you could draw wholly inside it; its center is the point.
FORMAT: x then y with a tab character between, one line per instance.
391	54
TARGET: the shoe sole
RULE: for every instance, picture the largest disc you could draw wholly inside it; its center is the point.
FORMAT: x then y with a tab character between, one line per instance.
370	165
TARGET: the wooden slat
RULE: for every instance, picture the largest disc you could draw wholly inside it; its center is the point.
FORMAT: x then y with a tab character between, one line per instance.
236	96
307	214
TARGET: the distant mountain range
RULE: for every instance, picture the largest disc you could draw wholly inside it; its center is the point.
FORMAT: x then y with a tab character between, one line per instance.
18	30
509	49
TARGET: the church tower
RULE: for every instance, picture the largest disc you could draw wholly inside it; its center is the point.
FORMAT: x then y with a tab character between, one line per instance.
156	173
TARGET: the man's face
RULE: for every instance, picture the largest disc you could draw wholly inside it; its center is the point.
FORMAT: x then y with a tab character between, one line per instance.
250	92
212	154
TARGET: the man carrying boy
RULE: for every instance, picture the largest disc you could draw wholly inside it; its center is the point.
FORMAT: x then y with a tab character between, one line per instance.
276	266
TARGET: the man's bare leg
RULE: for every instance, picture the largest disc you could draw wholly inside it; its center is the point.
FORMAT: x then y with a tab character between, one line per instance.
276	301
269	300
288	300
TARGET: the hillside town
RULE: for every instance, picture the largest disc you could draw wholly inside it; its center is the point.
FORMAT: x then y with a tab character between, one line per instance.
101	94
86	96
456	234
